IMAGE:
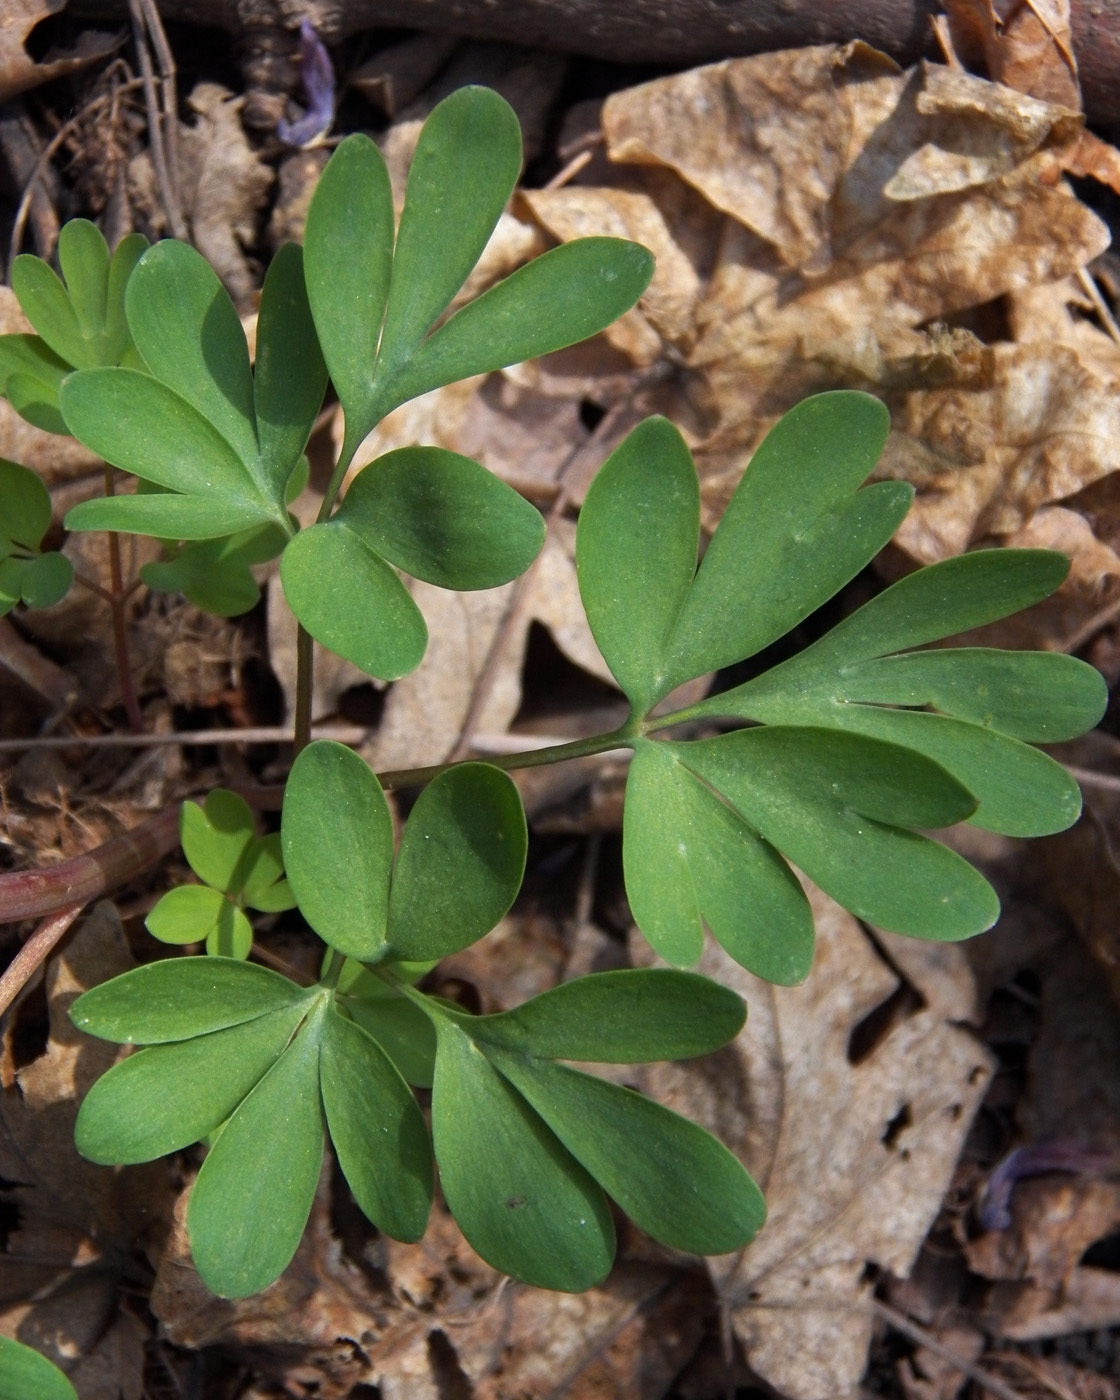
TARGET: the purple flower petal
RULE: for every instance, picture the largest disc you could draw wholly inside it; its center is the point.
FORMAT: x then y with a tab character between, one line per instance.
318	86
1035	1160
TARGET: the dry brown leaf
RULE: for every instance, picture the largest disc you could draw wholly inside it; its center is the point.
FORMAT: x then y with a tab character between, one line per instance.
854	1158
1030	47
1055	1219
18	70
77	1221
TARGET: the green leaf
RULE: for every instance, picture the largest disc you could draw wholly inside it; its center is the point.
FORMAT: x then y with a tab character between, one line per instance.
118	338
1041	697
169	1096
672	1178
251	1200
189	335
264	885
138	423
520	1198
466	164
25	505
46	580
352	601
181	997
377	1129
688	855
30	376
46	305
461	859
348	257
636	545
560	298
231	936
402	1030
83	256
290	375
628	1017
841	807
216	575
189	914
443	518
173	517
338	848
216	838
25	1375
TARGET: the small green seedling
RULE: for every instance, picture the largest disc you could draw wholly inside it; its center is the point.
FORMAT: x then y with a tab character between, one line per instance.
25	1374
837	762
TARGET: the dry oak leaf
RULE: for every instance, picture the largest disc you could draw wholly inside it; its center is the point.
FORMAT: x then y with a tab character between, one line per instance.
1029	47
18	70
854	1158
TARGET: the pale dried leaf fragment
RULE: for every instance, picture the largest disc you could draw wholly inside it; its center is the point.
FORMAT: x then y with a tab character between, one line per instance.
18	70
1028	46
854	1158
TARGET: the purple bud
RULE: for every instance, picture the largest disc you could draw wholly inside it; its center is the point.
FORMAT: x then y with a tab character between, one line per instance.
1035	1160
318	85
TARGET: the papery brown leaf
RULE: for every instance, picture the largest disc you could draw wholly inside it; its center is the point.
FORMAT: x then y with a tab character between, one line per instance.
854	1158
19	71
1029	46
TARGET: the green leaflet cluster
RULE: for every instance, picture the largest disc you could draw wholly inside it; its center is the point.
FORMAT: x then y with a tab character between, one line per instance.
527	1149
858	744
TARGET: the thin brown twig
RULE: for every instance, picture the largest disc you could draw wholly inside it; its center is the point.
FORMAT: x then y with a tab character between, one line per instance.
34	953
120	624
154	106
901	1323
189	738
169	95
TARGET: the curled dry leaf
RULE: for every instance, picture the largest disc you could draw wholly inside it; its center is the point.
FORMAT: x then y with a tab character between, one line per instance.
1029	47
18	70
853	1146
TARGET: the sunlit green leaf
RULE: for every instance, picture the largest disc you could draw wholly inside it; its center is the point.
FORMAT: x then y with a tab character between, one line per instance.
461	859
231	936
126	255
26	1375
467	160
338	848
83	256
189	914
43	299
253	1195
352	601
672	1178
688	855
348	256
166	1097
216	837
443	518
264	886
377	1129
179	998
627	1017
520	1198
30	376
175	517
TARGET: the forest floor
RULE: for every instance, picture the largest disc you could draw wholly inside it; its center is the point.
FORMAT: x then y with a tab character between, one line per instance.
936	1127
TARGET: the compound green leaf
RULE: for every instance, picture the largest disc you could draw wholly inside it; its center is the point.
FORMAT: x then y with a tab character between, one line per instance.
30	376
166	1097
466	164
167	517
25	505
841	807
672	1178
46	305
189	914
190	337
1041	697
178	998
687	854
796	530
338	848
627	1017
520	1198
216	575
216	837
560	298
290	375
138	423
348	256
461	859
46	580
402	1030
352	601
636	545
377	1129
118	338
231	936
83	256
443	518
253	1195
265	887
26	1375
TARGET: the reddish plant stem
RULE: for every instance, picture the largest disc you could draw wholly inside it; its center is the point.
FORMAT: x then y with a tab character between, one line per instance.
33	894
120	630
34	953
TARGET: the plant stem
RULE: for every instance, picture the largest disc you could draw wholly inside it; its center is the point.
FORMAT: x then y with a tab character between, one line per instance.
34	953
117	598
342	466
620	738
305	672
